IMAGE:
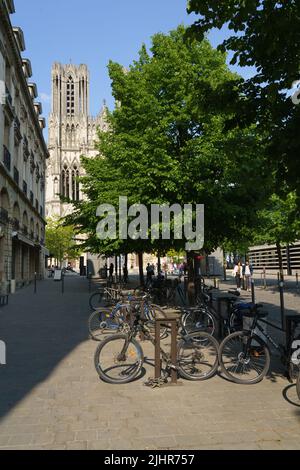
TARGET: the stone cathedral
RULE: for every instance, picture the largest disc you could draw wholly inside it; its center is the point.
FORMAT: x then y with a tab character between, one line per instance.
72	133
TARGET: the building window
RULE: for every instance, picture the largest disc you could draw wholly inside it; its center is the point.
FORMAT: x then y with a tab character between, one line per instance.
70	183
70	97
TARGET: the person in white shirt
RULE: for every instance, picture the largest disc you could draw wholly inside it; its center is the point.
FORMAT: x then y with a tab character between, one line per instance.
248	274
237	273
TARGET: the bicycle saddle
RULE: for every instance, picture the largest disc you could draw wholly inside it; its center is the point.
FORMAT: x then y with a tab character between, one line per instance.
234	292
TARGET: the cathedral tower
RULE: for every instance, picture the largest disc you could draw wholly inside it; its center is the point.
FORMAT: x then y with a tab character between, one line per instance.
72	133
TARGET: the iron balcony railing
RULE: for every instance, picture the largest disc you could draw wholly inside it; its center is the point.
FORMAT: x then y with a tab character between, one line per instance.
25	188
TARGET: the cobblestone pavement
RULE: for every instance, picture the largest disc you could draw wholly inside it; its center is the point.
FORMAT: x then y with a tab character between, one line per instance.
52	398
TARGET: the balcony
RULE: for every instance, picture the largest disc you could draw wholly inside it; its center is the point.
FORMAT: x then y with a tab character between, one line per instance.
4	216
16	176
6	158
17	130
25	188
26	152
31	198
32	164
8	105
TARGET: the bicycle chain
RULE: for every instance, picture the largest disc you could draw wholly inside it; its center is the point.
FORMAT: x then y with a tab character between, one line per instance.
156	383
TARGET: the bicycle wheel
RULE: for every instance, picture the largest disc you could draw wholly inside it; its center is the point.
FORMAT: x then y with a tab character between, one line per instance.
118	361
244	360
96	300
201	319
101	324
197	357
298	385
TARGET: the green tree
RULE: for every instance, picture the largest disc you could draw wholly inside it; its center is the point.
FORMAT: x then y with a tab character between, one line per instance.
60	240
279	223
168	143
264	34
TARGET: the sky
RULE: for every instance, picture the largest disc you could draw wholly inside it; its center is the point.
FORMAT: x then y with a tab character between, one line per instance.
93	32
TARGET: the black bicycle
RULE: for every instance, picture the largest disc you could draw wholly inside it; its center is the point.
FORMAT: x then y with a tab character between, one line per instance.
244	356
119	358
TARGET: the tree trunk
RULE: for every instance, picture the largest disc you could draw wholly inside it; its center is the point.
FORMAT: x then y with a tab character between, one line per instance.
158	263
288	259
191	278
141	269
278	246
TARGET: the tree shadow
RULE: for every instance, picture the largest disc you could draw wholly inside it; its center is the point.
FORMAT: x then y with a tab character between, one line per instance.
40	331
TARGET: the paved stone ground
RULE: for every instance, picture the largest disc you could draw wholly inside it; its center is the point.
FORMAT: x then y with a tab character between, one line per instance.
52	398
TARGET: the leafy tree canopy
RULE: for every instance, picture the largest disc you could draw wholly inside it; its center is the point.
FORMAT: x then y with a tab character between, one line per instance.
168	143
60	240
264	34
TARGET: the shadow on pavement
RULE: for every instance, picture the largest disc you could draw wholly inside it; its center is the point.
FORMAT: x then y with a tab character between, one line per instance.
40	331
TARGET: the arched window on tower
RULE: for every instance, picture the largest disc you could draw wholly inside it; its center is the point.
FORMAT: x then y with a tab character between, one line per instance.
75	184
70	97
64	182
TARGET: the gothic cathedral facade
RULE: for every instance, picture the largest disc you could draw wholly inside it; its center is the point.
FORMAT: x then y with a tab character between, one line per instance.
72	133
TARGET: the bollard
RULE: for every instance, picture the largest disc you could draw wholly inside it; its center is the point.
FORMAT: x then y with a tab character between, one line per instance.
35	283
62	283
218	284
90	283
253	290
297	281
265	280
281	291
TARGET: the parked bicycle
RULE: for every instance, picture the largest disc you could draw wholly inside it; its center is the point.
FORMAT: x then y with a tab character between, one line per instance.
102	294
120	358
105	321
244	356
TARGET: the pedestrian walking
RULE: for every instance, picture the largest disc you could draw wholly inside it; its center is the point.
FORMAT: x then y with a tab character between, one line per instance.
111	272
150	274
125	274
247	272
237	273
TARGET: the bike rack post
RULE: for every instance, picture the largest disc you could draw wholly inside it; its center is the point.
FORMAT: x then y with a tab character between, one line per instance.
35	283
253	290
297	281
174	331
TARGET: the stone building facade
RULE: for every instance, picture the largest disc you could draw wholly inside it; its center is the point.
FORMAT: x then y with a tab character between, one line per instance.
22	163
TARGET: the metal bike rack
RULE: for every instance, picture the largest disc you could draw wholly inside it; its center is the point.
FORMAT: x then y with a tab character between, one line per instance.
174	332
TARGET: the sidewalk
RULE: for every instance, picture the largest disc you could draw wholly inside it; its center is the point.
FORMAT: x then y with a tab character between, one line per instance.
51	396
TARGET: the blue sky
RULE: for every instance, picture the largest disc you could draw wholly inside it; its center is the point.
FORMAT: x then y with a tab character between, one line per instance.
92	32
